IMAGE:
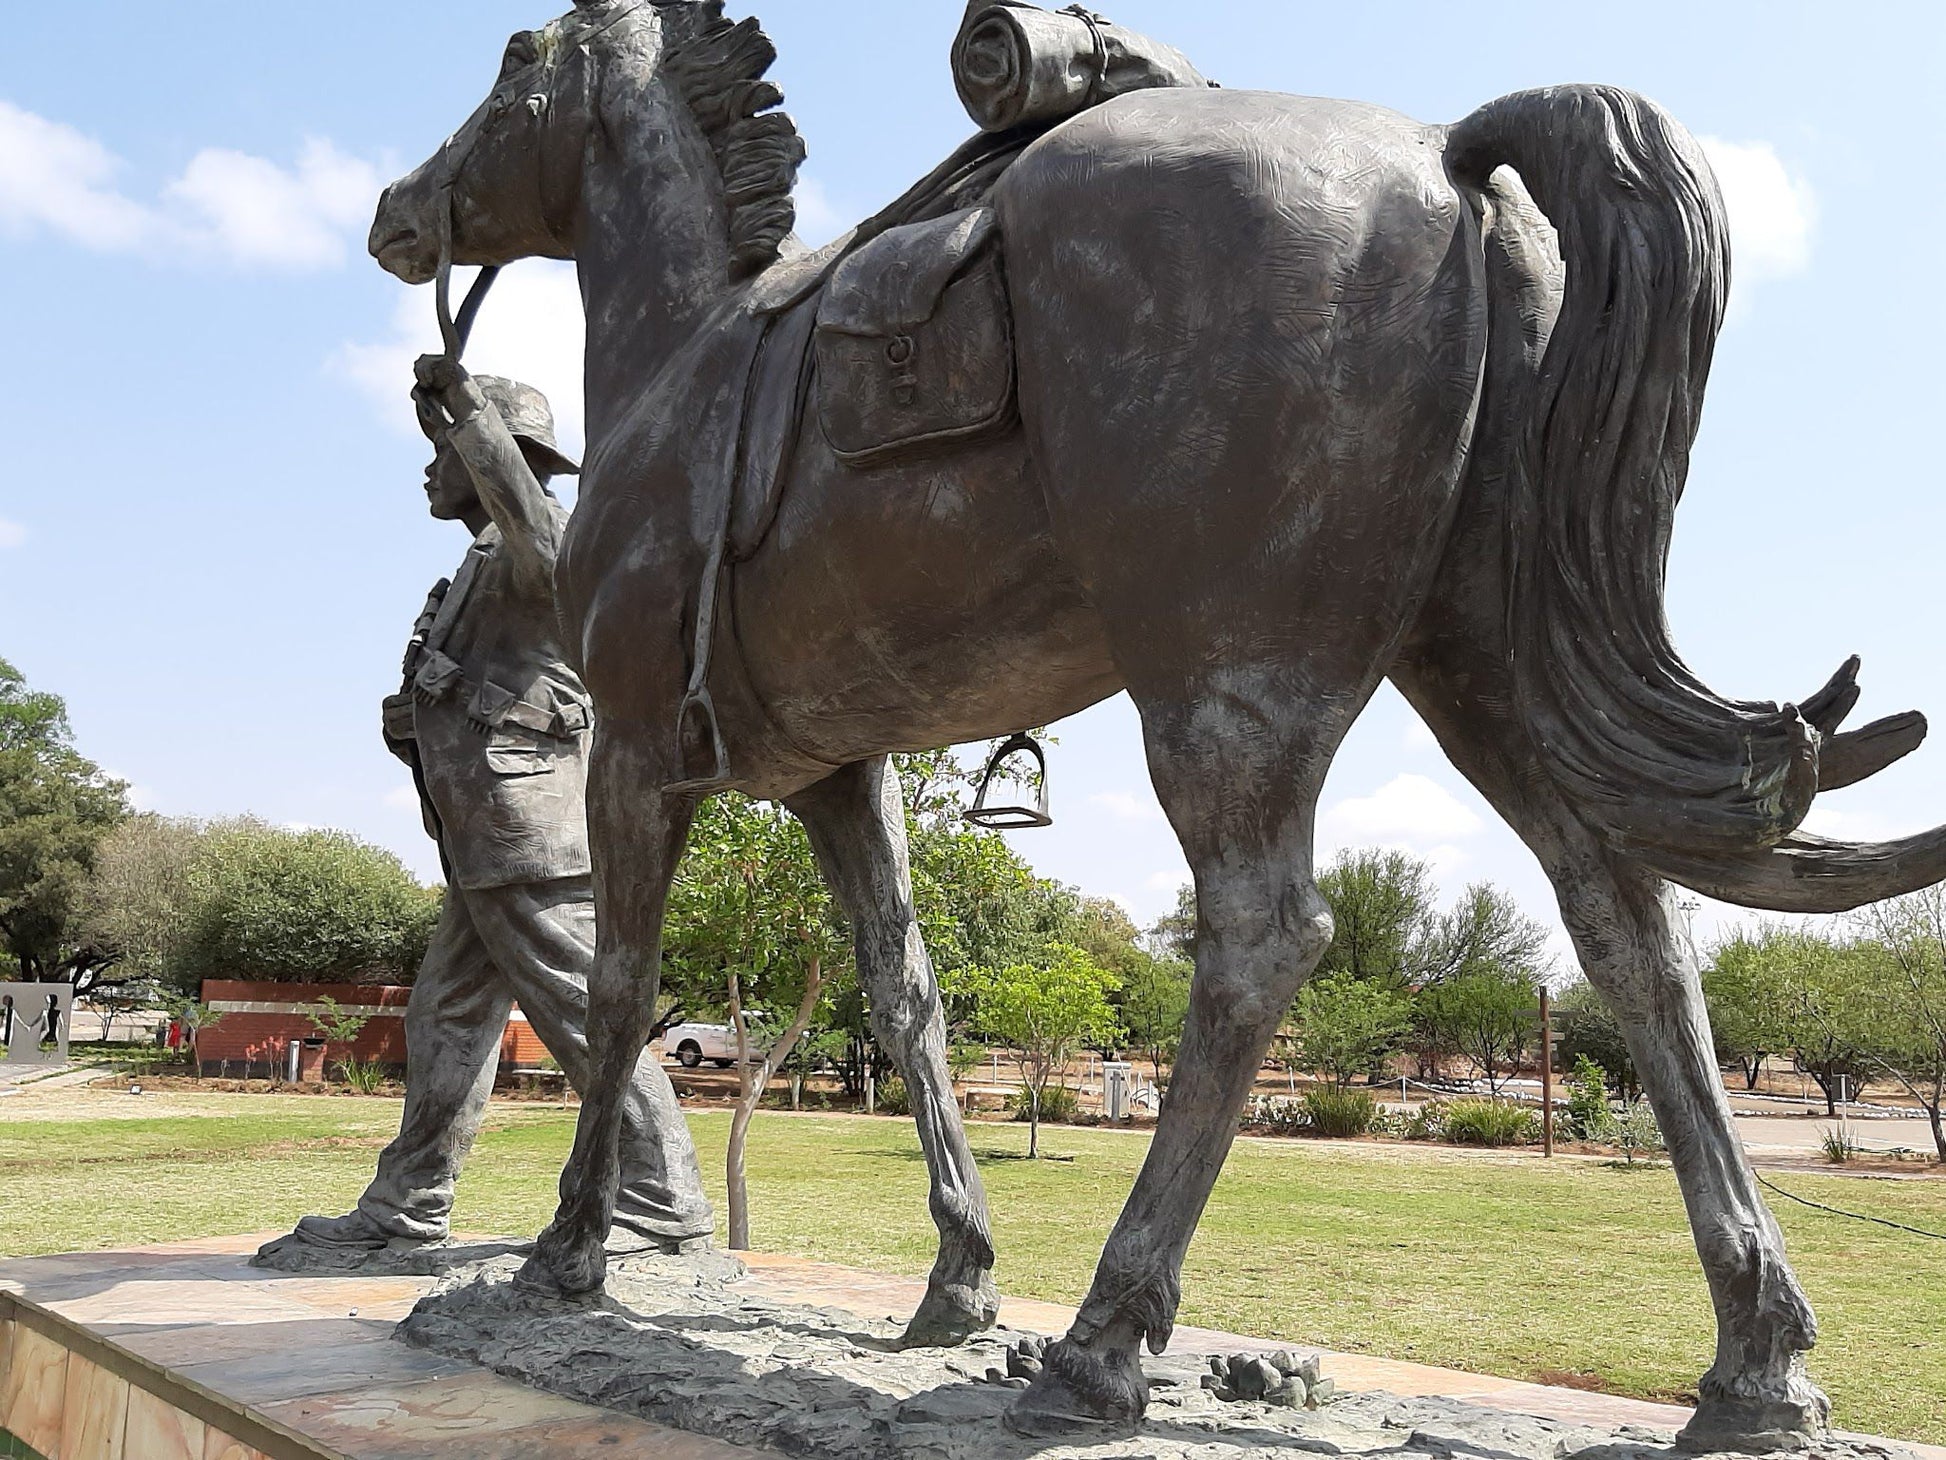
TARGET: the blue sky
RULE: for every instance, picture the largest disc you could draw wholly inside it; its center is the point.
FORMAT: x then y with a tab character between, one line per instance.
212	539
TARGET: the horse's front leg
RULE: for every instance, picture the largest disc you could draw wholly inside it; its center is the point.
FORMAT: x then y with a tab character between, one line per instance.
636	837
856	822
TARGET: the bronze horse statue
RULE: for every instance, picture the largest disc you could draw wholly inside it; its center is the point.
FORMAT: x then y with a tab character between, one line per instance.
1309	395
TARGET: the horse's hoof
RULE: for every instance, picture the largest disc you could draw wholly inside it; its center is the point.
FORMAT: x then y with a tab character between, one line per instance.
1758	1425
951	1314
1079	1392
562	1268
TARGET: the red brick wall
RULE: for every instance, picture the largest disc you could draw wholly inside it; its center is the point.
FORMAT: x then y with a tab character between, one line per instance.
260	1037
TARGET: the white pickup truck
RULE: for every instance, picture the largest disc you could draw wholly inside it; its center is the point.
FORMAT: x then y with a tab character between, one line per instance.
691	1044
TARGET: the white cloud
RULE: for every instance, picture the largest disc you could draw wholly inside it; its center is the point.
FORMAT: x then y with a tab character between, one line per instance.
530	329
52	176
402	798
258	213
12	534
1127	805
1773	212
1409	810
226	205
819	219
1418	735
1843	825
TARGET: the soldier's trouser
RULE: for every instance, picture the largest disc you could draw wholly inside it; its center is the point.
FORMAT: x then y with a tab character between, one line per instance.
533	943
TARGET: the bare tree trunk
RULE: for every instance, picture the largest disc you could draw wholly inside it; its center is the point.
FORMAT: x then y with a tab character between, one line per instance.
1033	1123
753	1087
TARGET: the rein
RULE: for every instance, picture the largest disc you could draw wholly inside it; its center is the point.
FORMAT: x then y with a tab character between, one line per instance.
454	332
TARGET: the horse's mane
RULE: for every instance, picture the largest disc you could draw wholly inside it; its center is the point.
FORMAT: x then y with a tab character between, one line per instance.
718	67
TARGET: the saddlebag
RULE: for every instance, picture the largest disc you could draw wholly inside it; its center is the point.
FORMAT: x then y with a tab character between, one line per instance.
915	345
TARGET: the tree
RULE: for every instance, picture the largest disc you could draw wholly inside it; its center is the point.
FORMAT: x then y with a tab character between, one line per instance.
1154	1005
1589	1030
299	906
336	1025
1749	998
1487	1015
1174	933
1826	1022
1346	1026
55	808
749	913
1905	988
1383	917
137	901
121	996
1486	932
194	1016
1046	1011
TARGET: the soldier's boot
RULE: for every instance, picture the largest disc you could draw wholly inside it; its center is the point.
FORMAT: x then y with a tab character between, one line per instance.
627	1240
358	1232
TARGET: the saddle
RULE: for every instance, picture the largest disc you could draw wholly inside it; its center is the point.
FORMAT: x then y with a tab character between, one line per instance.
902	331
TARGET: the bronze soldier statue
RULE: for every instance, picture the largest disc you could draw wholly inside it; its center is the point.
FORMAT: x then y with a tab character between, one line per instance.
495	726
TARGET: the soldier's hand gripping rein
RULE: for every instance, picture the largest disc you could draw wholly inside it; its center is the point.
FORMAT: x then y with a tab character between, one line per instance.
445	396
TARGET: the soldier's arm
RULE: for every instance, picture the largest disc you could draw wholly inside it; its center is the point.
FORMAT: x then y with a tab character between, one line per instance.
529	521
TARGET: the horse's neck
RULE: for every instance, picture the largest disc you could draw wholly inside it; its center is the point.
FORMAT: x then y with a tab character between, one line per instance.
654	260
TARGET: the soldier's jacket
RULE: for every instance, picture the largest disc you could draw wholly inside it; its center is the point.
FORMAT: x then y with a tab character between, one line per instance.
491	718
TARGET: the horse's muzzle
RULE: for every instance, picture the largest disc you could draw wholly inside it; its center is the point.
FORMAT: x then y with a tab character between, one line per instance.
402	247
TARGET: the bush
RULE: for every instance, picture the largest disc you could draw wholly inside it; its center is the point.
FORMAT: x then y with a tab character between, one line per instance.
1428	1122
1477	1122
1336	1111
1838	1145
891	1097
1588	1110
1276	1115
1635	1129
1059	1105
1394	1123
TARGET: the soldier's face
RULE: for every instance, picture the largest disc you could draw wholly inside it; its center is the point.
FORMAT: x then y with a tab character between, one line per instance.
450	493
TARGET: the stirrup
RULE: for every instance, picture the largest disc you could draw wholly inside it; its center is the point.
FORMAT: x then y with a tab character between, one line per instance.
1011	818
698	713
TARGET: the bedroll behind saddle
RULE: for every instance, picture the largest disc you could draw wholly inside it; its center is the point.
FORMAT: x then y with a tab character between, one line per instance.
915	345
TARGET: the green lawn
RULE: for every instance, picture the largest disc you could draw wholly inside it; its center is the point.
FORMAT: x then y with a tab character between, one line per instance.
1499	1263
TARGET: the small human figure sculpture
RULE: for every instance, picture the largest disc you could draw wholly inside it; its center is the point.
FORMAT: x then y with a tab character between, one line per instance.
495	726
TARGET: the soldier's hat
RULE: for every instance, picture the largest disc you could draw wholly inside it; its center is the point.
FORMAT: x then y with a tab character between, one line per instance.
528	417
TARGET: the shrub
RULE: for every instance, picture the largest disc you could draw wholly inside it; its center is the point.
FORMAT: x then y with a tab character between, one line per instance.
1588	1110
1277	1115
1428	1122
1477	1122
892	1098
366	1077
1336	1111
1635	1130
1059	1104
1394	1123
1838	1145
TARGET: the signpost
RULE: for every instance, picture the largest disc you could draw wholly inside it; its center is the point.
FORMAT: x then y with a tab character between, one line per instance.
1547	1072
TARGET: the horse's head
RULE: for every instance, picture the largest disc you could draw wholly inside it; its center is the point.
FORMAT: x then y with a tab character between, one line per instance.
669	82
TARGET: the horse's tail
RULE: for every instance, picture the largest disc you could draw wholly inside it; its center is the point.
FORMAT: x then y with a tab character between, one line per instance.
1640	747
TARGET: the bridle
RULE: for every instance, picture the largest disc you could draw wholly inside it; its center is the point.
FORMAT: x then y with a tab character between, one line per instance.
455	330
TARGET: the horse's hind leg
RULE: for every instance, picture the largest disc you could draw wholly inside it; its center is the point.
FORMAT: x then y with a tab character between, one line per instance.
636	838
1623	922
856	822
1238	764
